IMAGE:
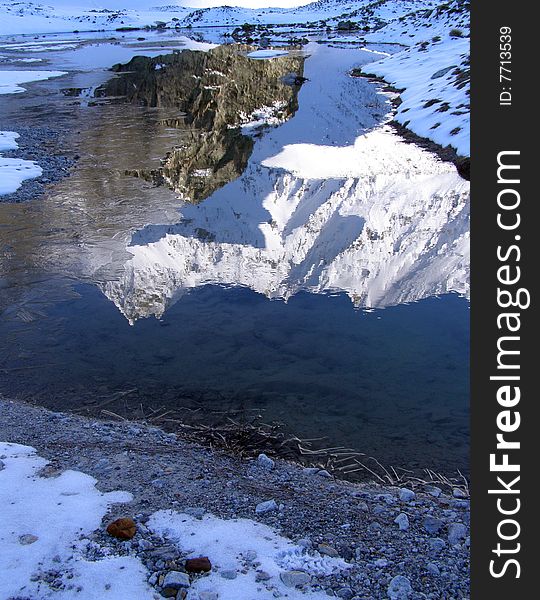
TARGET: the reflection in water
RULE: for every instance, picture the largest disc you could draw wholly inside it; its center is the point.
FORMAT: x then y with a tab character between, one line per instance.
390	230
217	92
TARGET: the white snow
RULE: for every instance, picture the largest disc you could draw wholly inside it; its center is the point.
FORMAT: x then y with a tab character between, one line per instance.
227	542
261	54
60	512
426	91
11	81
13	171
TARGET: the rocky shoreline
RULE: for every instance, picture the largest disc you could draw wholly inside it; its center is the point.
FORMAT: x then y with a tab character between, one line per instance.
396	542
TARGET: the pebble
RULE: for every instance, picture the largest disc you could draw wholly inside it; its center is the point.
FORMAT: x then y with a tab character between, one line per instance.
324	473
262	576
459	493
294	579
230	574
346	593
432	524
264	507
436	544
457	532
27	539
406	495
176	580
403	521
399	588
327	550
433	569
198	565
265	462
250	555
381	563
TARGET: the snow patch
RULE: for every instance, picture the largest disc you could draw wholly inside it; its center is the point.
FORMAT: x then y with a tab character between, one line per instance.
11	81
43	521
228	543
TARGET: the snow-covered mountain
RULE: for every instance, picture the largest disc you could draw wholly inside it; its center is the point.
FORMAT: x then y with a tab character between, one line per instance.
85	15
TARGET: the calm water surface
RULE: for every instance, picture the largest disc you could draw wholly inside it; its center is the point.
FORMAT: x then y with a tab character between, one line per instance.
173	268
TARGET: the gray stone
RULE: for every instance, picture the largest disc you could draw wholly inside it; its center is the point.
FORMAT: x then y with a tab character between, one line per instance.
294	579
346	593
327	550
27	539
433	525
436	544
230	574
381	563
459	493
176	580
250	555
406	495
457	532
403	521
324	473
265	462
399	588
433	569
264	507
262	576
434	491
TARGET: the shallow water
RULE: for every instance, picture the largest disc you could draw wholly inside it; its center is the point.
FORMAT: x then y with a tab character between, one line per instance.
252	299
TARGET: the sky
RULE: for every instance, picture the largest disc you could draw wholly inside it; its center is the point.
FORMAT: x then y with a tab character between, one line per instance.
246	3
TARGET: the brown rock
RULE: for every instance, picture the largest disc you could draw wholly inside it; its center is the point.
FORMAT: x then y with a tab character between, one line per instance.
198	565
123	529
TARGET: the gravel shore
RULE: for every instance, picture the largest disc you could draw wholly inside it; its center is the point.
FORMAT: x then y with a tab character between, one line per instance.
399	543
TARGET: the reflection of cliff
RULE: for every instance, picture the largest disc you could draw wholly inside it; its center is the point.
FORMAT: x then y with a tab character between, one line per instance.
397	233
215	92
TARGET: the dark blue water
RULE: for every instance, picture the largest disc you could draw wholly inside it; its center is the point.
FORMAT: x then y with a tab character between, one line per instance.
392	383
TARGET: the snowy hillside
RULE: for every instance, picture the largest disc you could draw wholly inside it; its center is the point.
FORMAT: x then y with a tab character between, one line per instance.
84	15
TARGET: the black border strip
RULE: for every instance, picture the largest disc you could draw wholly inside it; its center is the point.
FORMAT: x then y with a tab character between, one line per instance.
498	127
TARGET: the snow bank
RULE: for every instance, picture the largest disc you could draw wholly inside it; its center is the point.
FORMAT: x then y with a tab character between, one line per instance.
43	521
